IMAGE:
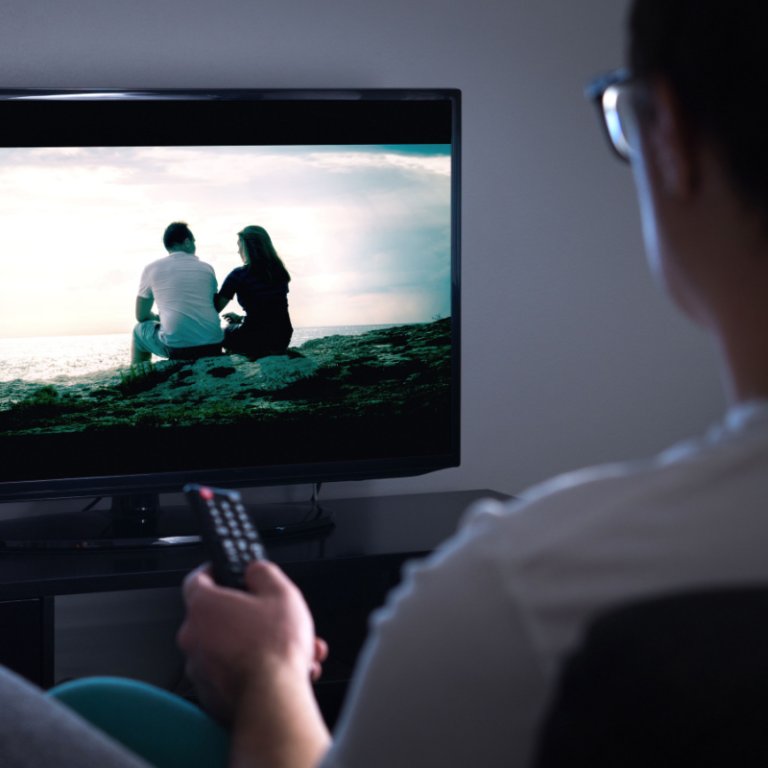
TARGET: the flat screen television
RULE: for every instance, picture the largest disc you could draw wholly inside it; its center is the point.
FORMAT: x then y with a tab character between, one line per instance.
359	191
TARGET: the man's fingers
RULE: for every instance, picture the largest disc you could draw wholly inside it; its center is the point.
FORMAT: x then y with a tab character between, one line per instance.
321	649
195	580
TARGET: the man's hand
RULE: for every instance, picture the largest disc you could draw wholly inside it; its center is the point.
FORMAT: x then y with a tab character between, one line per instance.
251	656
240	644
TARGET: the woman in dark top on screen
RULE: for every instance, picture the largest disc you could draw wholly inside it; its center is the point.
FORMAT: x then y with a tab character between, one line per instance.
261	288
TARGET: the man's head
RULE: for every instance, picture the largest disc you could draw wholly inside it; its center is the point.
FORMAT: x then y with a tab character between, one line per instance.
178	237
713	56
687	112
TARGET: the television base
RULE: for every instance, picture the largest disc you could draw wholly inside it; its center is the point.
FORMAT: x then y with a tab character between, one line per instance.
140	521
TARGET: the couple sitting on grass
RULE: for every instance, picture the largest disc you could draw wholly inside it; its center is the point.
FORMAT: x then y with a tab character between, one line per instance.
184	290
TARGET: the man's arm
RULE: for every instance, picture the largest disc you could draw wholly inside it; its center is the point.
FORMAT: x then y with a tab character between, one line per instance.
252	657
144	309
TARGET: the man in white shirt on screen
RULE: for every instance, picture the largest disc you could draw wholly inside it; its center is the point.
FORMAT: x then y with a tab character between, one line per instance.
182	288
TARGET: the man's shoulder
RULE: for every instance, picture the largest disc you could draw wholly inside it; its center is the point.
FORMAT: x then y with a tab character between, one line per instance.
176	260
669	496
156	264
153	272
197	263
581	503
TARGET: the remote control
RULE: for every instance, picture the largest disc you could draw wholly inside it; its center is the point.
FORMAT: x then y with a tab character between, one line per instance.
227	531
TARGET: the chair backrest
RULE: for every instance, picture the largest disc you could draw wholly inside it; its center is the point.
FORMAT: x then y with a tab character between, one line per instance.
679	680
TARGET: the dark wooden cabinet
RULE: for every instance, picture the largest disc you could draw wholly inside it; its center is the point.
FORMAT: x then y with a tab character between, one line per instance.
26	638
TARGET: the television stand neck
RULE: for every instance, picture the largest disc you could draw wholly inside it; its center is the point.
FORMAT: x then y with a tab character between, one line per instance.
304	519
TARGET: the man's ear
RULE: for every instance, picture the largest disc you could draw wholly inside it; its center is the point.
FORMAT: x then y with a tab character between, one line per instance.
670	140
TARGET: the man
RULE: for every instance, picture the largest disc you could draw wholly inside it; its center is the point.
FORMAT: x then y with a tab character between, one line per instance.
462	660
187	324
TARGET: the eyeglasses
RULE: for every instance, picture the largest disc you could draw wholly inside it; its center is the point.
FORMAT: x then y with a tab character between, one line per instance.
610	93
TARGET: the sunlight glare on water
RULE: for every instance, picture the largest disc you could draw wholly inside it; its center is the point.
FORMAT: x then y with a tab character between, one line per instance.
45	358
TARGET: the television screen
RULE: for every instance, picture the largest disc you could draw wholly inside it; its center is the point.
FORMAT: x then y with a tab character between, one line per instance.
358	192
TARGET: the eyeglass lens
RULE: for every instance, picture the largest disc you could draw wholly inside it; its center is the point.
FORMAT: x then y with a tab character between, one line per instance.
618	119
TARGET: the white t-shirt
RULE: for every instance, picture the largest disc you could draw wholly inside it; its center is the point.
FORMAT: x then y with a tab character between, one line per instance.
462	660
183	287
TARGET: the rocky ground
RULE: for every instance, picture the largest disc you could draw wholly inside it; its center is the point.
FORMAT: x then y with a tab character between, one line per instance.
390	372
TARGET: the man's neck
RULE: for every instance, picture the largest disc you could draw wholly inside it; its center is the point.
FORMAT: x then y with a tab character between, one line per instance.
744	351
722	256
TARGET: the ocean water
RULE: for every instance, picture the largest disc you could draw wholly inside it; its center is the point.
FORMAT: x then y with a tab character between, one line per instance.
46	358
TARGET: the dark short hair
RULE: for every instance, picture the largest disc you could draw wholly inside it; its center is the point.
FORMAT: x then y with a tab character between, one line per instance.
713	54
175	234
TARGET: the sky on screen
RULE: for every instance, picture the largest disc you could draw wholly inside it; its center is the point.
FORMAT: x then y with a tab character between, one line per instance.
364	231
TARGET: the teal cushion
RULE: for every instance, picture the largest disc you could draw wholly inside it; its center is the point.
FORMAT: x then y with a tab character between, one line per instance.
161	727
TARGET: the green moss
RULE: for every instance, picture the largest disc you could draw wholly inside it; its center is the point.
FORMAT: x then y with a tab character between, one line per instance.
142	377
44	404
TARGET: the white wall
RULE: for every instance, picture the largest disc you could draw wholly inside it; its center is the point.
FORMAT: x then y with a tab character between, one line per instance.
570	354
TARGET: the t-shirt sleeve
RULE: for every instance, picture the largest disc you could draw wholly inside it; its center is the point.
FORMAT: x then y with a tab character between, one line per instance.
449	675
145	285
